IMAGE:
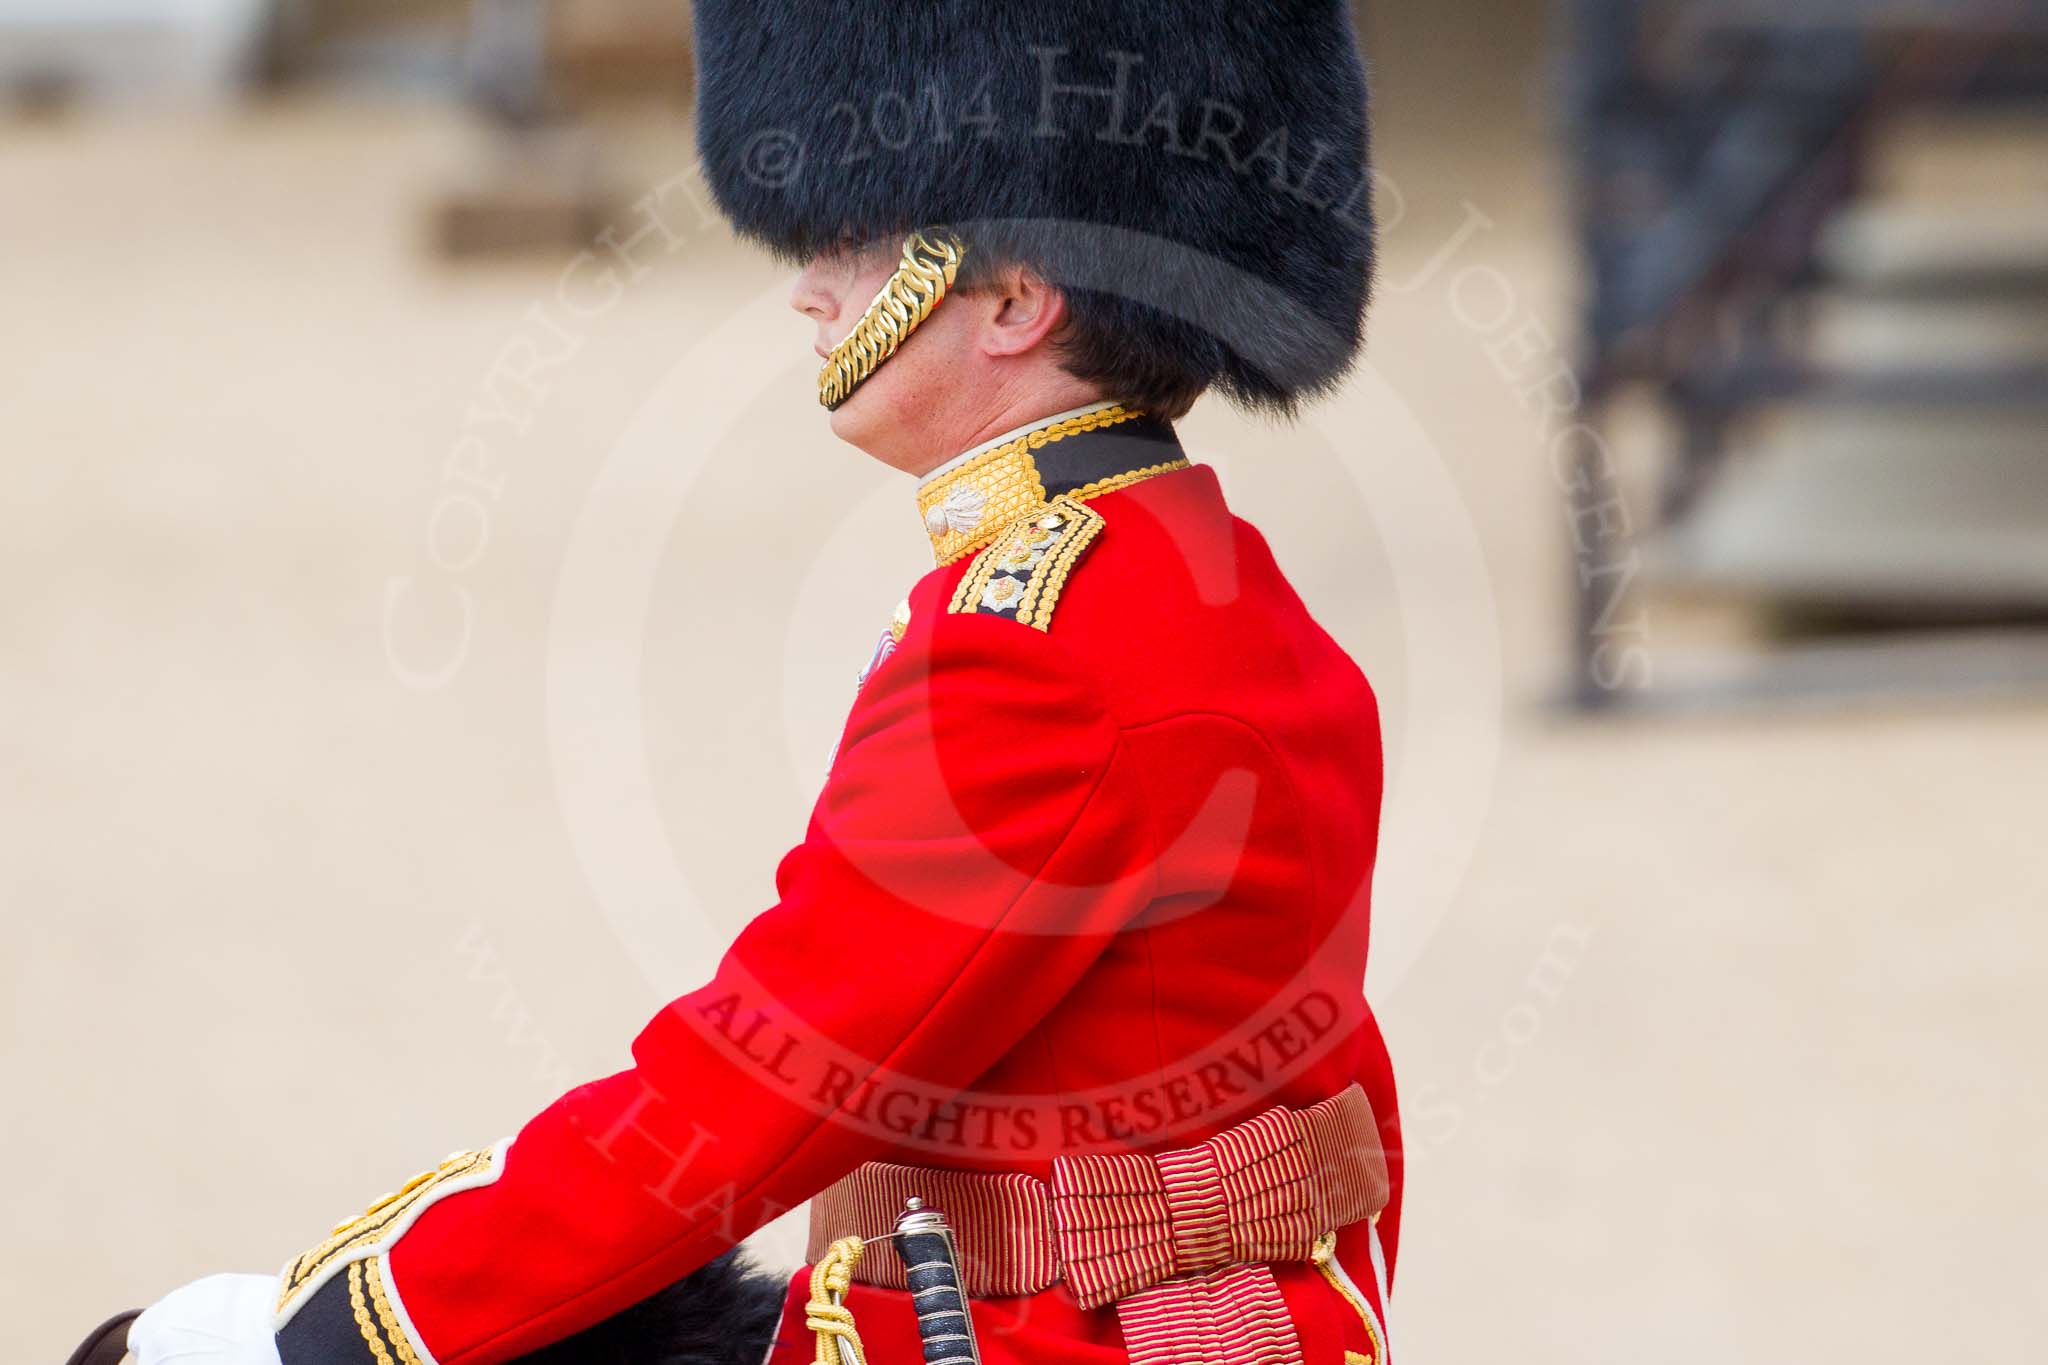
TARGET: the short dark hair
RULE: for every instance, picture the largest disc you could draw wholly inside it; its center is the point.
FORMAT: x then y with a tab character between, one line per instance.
1105	344
1113	343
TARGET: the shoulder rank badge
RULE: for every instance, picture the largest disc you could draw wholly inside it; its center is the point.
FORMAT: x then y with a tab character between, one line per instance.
1022	572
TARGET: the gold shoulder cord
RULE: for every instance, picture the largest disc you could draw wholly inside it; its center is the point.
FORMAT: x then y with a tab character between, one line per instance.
931	262
827	1314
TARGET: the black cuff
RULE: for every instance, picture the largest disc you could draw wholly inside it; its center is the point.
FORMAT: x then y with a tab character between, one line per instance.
350	1320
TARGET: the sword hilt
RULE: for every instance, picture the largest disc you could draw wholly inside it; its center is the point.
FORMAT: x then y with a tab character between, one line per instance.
932	1260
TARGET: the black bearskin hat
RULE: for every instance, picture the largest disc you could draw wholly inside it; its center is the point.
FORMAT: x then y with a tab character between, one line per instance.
1192	172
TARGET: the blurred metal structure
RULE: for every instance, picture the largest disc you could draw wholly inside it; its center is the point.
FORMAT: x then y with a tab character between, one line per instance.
533	68
56	51
1723	153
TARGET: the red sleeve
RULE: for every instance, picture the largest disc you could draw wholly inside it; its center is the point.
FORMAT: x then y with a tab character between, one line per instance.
981	838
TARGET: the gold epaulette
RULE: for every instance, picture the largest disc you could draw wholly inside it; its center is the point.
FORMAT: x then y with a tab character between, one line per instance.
1022	572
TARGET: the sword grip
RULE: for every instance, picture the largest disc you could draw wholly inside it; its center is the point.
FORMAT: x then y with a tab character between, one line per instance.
936	1294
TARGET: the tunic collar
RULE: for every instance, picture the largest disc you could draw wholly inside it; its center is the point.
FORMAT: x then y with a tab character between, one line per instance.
968	501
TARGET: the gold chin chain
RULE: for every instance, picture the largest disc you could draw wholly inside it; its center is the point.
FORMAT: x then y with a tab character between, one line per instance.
931	261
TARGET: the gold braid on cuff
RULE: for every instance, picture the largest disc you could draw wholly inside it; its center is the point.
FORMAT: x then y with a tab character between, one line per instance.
931	260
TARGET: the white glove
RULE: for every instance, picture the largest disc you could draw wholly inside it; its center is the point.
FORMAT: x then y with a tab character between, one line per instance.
220	1320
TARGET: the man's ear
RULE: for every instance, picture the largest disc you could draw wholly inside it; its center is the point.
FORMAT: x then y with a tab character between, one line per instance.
1027	311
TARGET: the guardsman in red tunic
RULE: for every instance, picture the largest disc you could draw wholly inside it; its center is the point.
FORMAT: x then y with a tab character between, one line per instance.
1069	961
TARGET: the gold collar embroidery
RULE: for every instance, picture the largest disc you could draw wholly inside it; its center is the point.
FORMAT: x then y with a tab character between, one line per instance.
968	506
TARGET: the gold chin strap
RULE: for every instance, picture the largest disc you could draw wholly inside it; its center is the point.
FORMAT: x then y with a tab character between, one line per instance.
827	1314
931	261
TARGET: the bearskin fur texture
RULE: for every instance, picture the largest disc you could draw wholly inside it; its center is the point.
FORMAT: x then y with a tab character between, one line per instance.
724	1314
1195	170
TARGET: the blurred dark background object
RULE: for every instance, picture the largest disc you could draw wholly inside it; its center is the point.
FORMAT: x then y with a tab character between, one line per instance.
55	52
537	72
1852	378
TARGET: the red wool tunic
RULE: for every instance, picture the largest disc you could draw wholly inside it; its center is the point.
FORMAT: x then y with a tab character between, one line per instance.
1090	876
